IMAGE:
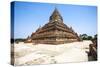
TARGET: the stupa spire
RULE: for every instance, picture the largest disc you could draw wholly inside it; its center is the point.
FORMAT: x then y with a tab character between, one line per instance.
55	16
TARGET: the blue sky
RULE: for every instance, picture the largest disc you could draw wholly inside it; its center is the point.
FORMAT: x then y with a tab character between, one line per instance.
28	16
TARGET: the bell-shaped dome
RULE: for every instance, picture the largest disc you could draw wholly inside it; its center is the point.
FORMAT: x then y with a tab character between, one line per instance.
56	16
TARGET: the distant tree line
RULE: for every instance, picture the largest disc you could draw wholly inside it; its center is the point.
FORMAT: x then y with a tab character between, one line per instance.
17	40
87	37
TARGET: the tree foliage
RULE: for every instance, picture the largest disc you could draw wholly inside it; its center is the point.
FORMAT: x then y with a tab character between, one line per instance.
85	37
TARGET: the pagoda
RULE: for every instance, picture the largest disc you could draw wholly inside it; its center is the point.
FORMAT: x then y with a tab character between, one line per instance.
54	32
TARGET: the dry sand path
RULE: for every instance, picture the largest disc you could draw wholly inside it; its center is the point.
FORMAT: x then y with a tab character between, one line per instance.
28	54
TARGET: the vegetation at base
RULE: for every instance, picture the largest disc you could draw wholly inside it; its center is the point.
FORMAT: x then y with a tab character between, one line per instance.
93	49
95	36
92	54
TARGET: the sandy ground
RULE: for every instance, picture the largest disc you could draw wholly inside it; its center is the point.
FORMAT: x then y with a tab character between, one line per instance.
29	54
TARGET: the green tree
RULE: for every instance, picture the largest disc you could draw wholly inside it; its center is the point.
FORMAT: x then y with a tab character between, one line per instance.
89	38
84	36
